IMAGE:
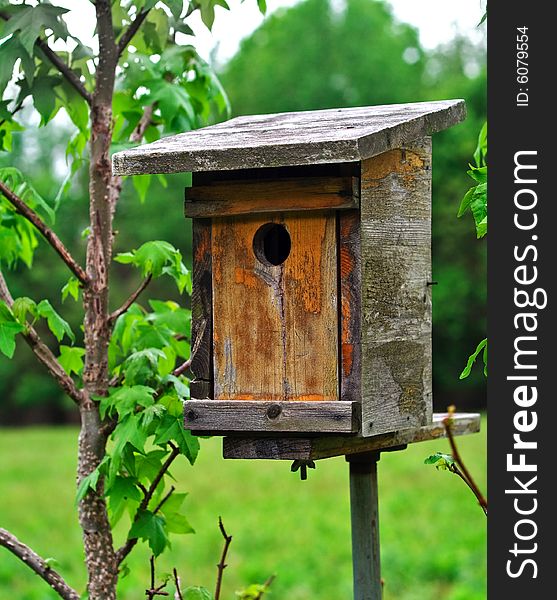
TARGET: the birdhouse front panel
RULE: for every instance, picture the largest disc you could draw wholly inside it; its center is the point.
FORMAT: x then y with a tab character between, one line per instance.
275	294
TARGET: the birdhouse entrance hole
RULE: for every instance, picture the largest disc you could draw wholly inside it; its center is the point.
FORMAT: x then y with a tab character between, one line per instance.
272	244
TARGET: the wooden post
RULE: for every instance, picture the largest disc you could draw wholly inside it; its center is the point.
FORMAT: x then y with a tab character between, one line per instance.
365	526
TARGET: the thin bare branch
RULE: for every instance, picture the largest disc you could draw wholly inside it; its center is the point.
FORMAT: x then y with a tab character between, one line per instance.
464	474
72	77
120	311
153	591
38	565
222	563
132	29
129	545
187	364
48	234
43	352
13	112
177	584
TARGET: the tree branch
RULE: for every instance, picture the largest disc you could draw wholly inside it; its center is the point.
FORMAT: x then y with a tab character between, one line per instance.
120	311
60	65
222	563
129	545
187	364
71	76
48	234
463	473
37	564
132	29
43	352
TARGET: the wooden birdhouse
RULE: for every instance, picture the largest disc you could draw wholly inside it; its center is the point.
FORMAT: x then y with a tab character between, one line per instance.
311	268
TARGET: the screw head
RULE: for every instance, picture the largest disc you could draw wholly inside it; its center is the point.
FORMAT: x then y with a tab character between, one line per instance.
274	411
191	415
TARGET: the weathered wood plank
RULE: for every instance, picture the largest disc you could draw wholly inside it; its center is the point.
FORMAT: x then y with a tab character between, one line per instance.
277	328
364	518
396	300
220	416
316	448
301	138
264	196
202	311
350	305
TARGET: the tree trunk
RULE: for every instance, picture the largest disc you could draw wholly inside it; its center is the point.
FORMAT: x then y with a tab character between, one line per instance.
99	549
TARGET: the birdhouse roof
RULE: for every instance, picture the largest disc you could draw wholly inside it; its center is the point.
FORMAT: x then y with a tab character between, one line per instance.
292	139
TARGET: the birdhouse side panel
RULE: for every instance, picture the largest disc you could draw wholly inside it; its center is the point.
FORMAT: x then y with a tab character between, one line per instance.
396	297
275	330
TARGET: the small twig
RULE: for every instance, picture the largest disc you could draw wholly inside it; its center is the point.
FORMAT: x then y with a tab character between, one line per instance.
187	364
130	543
155	591
38	565
222	563
120	311
464	474
132	29
48	234
266	587
166	497
177	583
43	353
13	112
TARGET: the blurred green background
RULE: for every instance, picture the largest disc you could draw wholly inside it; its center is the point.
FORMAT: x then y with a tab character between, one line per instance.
306	57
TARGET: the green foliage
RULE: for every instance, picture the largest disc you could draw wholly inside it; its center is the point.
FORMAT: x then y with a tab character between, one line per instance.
157	258
9	328
197	593
475	199
71	359
441	461
482	346
253	592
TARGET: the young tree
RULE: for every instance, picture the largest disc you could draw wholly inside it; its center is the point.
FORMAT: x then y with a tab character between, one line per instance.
128	378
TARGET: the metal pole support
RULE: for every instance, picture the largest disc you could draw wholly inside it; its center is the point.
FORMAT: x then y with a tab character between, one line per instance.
365	526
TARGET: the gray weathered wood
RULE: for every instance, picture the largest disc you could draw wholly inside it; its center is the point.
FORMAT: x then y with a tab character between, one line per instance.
255	415
315	448
301	138
364	517
202	311
396	299
228	198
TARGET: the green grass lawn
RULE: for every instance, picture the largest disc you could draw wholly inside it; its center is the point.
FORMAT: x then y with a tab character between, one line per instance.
433	534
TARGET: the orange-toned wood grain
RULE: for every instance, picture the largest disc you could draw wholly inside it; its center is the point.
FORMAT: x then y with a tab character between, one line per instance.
275	327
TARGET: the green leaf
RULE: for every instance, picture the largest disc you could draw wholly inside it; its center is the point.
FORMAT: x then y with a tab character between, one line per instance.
88	483
150	528
45	98
56	324
479	174
125	399
31	21
71	359
480	154
129	431
472	359
10	51
197	593
262	4
175	521
8	331
21	307
172	429
440	460
141	184
151	257
122	492
71	289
